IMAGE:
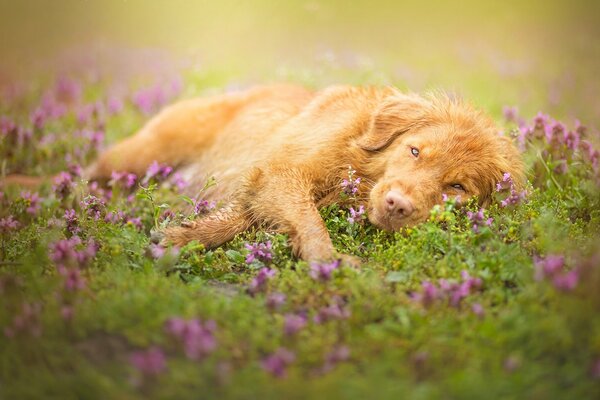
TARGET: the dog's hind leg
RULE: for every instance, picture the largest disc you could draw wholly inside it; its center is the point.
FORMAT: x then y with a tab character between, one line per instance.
212	230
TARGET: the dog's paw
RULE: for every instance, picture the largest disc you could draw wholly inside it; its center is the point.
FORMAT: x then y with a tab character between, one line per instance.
349	261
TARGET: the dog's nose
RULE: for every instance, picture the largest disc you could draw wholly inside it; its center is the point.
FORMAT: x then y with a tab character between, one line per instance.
396	203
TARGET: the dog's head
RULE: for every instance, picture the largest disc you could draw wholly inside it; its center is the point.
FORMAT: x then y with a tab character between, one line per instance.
427	147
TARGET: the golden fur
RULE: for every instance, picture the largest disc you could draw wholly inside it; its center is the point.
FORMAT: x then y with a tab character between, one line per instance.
280	152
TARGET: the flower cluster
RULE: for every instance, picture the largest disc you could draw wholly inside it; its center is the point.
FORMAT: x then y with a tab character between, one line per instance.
202	206
356	215
552	268
125	179
338	354
350	185
157	172
559	144
275	300
323	271
259	283
334	311
94	207
293	323
452	292
8	224
63	184
259	251
148	100
26	322
507	185
478	219
276	363
196	337
32	202
151	362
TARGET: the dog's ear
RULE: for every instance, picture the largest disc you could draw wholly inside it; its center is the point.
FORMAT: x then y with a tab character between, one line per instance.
395	115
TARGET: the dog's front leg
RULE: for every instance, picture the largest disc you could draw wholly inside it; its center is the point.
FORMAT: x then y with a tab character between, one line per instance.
285	199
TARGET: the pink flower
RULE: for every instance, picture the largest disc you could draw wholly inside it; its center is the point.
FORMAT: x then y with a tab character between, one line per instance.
151	362
356	215
32	202
293	324
276	364
259	282
322	272
275	300
259	251
196	337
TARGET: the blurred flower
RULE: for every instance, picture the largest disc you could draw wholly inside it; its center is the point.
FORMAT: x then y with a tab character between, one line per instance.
151	362
63	184
478	310
8	224
197	338
293	324
32	202
331	312
67	90
158	172
510	113
276	364
453	292
260	281
553	268
478	219
322	271
26	322
179	182
275	300
259	251
340	353
127	179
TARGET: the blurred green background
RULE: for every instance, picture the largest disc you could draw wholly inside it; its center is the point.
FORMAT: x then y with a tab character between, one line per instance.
538	55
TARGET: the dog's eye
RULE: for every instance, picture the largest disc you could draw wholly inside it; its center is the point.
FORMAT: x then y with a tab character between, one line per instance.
458	186
414	151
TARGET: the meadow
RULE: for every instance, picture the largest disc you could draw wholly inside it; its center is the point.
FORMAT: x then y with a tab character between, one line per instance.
495	303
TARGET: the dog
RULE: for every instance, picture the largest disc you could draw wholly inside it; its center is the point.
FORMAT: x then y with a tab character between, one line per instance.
278	153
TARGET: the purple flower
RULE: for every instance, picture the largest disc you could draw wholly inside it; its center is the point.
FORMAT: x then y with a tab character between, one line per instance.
596	369
549	266
260	281
276	364
128	180
478	219
63	184
179	182
197	338
339	354
8	224
72	221
26	322
293	324
259	251
478	310
93	206
331	312
202	206
157	251
67	90
511	114
356	215
151	362
32	202
72	252
114	105
275	300
135	222
7	126
322	272
514	197
429	293
158	172
567	281
350	185
73	280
